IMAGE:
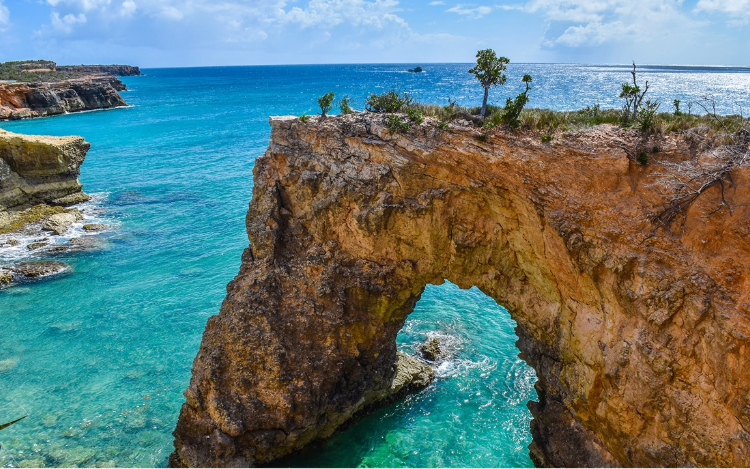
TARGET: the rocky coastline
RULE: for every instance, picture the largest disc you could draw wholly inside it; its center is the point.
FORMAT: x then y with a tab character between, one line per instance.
39	200
638	337
21	100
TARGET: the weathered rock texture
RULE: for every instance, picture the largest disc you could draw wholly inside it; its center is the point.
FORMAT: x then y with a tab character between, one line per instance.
37	169
116	70
640	342
39	99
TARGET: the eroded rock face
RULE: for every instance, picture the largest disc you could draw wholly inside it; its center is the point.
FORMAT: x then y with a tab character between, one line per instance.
640	342
39	99
40	169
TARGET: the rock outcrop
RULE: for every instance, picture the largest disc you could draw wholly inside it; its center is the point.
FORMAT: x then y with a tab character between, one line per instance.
39	99
36	169
640	341
116	70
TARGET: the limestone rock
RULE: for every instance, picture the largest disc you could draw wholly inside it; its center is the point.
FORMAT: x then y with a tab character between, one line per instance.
430	350
60	222
37	269
639	342
38	169
39	99
36	245
94	227
6	277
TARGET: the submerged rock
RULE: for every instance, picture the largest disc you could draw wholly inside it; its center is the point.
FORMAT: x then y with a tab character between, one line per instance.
37	245
37	269
430	350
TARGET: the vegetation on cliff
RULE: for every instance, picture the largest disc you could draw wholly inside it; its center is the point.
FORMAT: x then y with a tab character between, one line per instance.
47	70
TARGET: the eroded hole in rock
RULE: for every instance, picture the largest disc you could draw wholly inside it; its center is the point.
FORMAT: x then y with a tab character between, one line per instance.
474	414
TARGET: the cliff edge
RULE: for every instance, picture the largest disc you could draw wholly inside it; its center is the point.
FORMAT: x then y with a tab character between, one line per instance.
39	99
639	339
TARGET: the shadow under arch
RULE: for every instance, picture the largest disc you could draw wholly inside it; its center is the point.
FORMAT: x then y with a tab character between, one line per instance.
474	414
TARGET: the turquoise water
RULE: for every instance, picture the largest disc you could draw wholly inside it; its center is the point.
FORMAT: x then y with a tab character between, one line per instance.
99	356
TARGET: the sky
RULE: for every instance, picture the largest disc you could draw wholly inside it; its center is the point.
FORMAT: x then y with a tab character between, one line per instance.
175	33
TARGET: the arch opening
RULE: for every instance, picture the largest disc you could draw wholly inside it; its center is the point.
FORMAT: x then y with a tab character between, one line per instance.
474	414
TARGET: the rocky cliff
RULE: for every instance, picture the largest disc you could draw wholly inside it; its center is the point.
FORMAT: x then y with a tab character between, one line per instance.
39	99
640	340
37	169
116	70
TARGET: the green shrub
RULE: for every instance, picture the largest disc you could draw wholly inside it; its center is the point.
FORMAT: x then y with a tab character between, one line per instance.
390	101
642	158
442	125
303	117
514	107
344	105
396	125
326	103
546	138
415	115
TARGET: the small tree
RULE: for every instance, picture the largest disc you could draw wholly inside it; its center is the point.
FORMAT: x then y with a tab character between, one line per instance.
326	103
489	71
513	107
633	96
344	105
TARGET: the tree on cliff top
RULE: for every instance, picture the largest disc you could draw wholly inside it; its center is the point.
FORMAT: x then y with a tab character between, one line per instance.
489	71
326	103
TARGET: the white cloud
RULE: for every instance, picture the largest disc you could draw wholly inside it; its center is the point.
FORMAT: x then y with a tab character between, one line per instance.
128	8
85	5
473	13
738	10
437	2
595	22
4	15
66	23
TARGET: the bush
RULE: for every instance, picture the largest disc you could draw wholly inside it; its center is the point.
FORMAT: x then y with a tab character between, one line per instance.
344	105
415	115
442	125
303	117
546	138
389	101
396	125
326	103
642	158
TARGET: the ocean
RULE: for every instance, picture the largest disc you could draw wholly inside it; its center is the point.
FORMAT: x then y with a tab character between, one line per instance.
98	357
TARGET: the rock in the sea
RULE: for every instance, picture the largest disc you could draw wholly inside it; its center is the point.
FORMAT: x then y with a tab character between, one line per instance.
37	269
431	349
71	199
639	339
6	277
60	222
95	227
36	245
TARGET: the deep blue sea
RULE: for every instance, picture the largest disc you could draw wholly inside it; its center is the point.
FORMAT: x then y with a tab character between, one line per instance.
99	357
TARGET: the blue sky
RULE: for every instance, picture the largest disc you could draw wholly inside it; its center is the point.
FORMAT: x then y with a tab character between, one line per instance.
153	33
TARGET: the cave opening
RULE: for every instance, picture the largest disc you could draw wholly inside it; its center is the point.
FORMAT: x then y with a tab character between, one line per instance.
474	414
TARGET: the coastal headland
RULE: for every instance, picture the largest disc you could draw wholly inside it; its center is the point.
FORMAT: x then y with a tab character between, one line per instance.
41	88
39	190
638	333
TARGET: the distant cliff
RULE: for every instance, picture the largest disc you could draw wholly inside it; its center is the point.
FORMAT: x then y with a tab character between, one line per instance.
116	70
36	169
39	99
640	341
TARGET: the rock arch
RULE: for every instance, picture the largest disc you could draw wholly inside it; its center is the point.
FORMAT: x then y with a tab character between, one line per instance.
348	223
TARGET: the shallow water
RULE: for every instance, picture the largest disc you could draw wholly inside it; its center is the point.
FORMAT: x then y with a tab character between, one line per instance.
99	356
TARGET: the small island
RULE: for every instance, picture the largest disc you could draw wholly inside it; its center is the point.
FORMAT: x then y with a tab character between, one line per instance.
417	69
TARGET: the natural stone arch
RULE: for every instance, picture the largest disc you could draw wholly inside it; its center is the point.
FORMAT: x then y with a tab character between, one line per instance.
349	223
